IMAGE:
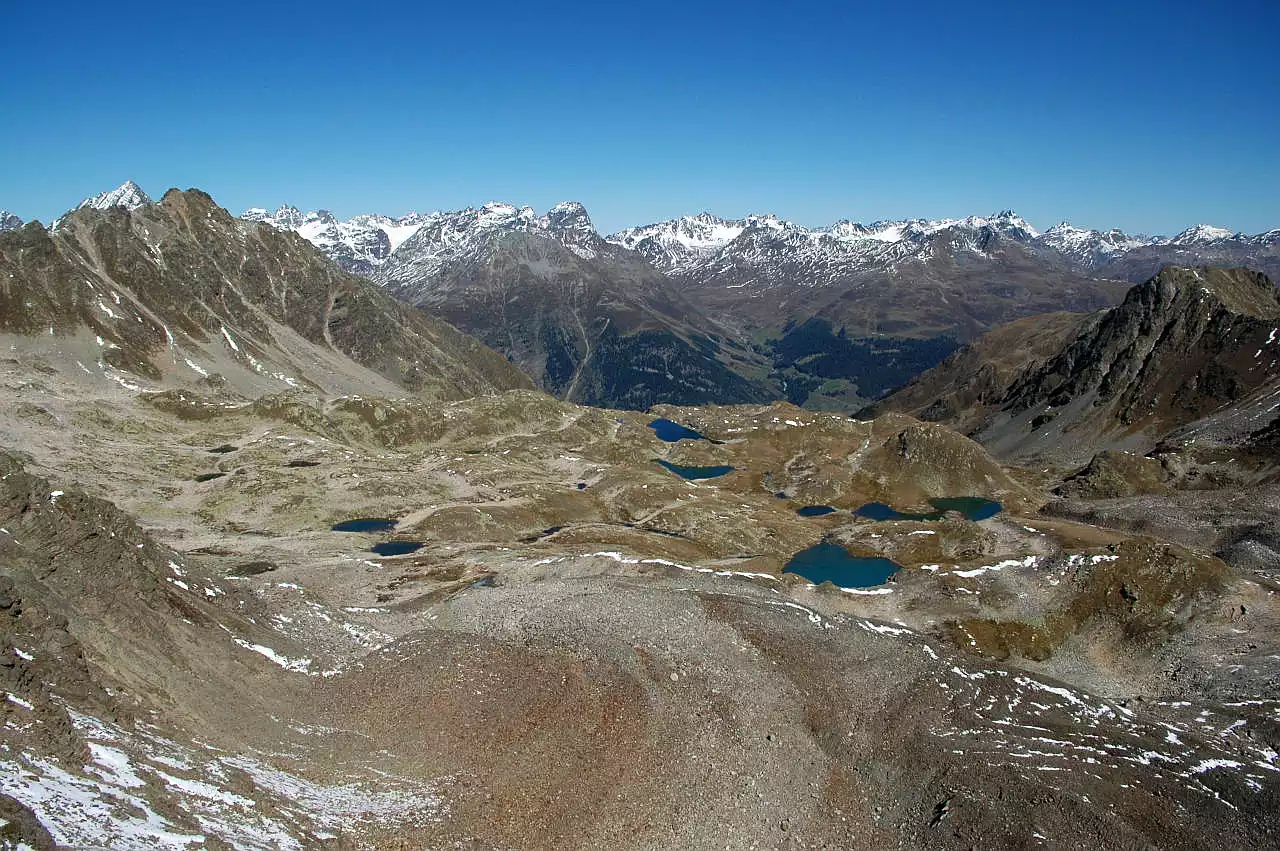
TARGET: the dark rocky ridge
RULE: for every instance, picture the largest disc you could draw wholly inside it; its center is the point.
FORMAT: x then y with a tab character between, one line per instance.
1180	347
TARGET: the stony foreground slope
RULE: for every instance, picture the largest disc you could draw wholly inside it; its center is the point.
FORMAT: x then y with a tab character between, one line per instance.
589	651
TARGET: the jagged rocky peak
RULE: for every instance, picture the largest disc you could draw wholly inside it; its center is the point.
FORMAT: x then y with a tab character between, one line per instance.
359	244
767	221
683	242
8	221
569	216
1010	222
1084	244
287	217
128	195
845	229
702	229
499	214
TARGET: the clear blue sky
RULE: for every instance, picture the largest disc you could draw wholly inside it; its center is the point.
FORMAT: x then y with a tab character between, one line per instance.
1148	115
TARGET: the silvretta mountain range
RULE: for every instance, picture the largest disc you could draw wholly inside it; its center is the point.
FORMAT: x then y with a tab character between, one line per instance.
481	529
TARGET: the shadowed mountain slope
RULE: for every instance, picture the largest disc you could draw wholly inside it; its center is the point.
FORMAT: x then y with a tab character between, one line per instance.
1181	347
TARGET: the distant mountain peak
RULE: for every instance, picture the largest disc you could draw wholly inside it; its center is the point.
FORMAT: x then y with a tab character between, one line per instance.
569	215
128	195
1202	234
287	217
8	221
358	244
1085	247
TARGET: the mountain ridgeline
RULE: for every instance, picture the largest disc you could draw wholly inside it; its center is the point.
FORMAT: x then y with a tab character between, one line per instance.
180	290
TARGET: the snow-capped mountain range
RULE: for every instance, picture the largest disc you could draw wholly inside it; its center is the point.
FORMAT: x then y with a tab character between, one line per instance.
681	245
358	244
684	245
699	245
365	242
682	306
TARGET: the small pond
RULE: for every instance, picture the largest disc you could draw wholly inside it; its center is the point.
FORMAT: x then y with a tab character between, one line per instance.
684	472
815	510
831	562
397	548
365	524
972	507
673	432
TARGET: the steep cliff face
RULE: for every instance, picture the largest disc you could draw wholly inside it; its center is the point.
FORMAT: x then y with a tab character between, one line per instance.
180	289
1180	347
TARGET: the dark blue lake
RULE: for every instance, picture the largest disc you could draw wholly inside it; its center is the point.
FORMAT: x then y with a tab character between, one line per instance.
972	507
831	562
365	524
697	472
673	432
815	510
397	548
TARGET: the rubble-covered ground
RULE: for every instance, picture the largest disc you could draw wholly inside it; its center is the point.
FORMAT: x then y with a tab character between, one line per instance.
587	650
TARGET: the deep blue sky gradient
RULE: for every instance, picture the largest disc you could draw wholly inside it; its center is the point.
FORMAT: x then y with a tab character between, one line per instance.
1148	116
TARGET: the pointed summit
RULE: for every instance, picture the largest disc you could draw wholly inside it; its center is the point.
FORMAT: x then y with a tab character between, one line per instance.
8	221
128	195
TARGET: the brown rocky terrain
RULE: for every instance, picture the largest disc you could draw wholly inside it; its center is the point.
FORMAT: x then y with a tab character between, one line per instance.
588	650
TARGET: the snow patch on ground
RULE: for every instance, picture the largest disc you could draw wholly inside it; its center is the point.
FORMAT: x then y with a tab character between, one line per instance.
143	791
